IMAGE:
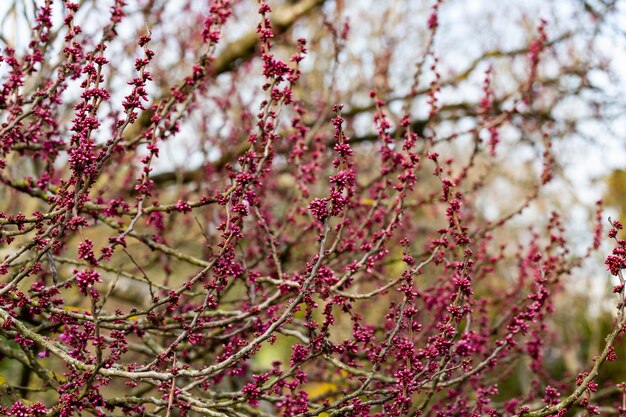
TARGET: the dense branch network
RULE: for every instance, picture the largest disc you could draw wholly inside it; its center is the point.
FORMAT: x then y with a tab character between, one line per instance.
360	264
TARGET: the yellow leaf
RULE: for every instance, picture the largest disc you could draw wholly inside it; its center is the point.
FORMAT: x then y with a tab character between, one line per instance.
75	309
316	389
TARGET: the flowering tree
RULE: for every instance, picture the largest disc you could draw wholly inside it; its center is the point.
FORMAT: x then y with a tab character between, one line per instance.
324	249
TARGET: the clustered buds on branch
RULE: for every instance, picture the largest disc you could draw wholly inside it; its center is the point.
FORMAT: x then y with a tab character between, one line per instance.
366	269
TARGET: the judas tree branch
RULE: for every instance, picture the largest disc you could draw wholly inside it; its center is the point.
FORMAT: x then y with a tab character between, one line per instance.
580	389
243	48
452	110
